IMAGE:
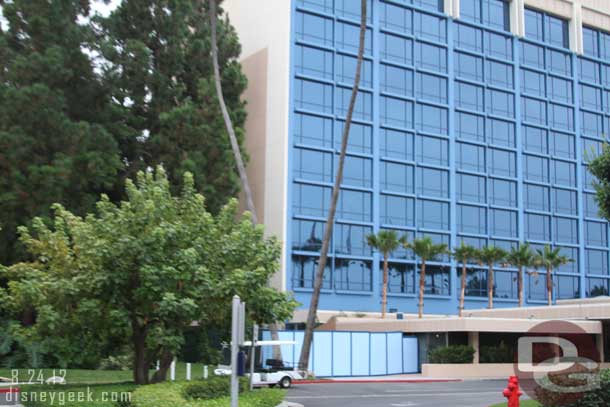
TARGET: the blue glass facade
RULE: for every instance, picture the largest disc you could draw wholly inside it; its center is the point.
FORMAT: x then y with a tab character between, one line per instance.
462	132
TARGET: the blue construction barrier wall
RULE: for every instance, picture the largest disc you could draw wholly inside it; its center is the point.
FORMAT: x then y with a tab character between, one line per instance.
345	354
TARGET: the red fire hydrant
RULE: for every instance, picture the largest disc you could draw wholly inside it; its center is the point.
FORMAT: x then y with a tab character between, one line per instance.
512	392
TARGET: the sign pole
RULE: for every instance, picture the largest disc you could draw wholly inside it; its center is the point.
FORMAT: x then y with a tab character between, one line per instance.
253	354
235	334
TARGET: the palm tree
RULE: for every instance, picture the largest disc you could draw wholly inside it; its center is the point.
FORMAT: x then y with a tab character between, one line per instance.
426	250
464	254
241	168
522	258
491	255
315	296
550	259
386	241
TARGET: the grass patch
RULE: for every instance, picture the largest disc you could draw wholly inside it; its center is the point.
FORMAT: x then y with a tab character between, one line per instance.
94	395
524	403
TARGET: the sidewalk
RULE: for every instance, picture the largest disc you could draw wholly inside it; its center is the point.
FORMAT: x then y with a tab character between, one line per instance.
403	378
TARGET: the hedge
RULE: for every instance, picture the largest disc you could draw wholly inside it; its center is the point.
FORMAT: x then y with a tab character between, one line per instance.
596	398
452	354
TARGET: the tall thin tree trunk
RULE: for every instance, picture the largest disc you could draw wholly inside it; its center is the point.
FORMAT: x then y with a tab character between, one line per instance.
463	289
384	289
315	296
241	168
140	363
549	285
490	286
520	286
422	287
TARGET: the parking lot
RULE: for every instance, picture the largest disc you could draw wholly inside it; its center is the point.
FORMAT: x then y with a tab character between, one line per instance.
455	394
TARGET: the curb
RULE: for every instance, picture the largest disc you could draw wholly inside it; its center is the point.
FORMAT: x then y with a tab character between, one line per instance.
351	381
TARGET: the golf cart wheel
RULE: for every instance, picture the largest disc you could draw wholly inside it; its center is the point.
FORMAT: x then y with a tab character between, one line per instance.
286	382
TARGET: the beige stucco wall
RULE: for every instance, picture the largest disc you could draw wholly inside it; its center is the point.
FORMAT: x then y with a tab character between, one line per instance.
264	32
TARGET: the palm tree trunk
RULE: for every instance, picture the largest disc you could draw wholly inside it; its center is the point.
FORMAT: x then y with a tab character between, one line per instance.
422	287
241	168
549	285
463	289
384	289
315	296
490	286
520	286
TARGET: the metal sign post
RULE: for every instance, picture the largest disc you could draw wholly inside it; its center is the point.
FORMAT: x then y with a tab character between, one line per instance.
235	336
253	354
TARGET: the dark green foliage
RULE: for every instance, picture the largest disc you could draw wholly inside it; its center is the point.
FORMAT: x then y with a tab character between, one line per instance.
201	345
452	354
497	354
600	168
214	387
596	398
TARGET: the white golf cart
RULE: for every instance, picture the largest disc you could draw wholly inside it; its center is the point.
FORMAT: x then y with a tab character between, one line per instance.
276	373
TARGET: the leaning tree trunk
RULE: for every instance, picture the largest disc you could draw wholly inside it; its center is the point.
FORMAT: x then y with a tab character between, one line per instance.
422	288
462	289
490	286
241	168
520	286
164	364
315	297
384	289
549	285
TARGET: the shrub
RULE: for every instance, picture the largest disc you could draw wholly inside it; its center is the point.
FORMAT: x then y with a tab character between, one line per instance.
596	398
496	354
452	354
119	362
214	387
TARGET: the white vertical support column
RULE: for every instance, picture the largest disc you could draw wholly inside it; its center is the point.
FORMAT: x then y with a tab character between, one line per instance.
473	340
172	371
235	336
188	372
575	27
517	17
452	8
205	372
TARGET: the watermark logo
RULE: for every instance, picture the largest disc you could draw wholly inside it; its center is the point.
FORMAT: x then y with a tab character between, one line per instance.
558	361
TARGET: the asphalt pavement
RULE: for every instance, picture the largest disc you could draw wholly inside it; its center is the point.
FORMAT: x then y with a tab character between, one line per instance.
481	393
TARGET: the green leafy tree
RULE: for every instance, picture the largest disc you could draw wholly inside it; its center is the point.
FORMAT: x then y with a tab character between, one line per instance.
386	241
550	259
464	254
426	250
140	272
491	255
522	258
158	67
58	133
599	166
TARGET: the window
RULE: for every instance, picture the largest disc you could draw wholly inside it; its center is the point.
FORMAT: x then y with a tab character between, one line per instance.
499	46
591	207
546	28
500	103
313	130
472	219
537	197
401	278
431	87
470	157
352	240
470	126
397	210
432	182
536	168
562	145
437	280
564	173
538	227
597	287
590	97
476	282
397	177
304	271
534	139
313	96
503	223
561	117
560	89
358	171
360	137
430	27
431	57
501	162
493	13
346	71
469	96
348	37
363	109
533	110
395	17
532	55
354	205
505	284
471	188
313	165
596	233
353	275
591	124
397	144
468	66
589	70
537	287
564	201
432	150
597	261
307	235
435	5
559	62
396	49
352	9
566	230
567	287
314	62
397	80
499	74
468	38
501	133
570	253
533	83
502	192
591	41
432	119
397	112
311	200
325	6
313	28
433	215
